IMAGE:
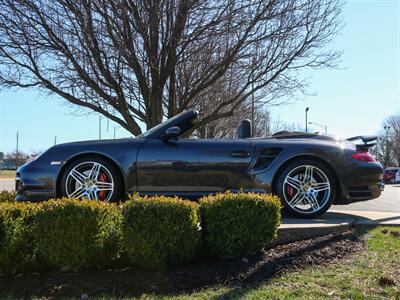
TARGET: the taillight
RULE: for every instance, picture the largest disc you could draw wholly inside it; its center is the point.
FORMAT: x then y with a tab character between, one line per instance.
364	156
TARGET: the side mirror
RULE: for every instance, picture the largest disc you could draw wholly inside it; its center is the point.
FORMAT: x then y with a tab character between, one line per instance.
172	133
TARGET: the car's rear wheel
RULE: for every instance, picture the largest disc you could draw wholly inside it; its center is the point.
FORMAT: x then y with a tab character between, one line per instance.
91	178
306	188
392	180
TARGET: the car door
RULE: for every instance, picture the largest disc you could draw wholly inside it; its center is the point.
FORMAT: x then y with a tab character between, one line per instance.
191	167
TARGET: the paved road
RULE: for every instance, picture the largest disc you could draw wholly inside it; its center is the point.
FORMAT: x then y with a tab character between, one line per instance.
388	202
7	185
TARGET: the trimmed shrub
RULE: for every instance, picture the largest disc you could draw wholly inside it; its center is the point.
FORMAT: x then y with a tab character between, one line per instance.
160	231
234	224
17	232
6	196
74	234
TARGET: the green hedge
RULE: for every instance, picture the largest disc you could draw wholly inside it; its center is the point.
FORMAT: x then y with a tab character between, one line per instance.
236	224
6	196
17	242
160	231
152	232
73	234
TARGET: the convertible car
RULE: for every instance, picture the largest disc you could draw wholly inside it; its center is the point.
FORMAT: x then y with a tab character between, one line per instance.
309	172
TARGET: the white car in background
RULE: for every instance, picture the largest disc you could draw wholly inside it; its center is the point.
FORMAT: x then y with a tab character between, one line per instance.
398	176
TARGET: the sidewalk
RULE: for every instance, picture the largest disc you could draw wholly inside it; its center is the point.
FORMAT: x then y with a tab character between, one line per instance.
334	221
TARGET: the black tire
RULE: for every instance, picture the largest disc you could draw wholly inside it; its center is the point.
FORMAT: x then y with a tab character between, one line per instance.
115	195
280	186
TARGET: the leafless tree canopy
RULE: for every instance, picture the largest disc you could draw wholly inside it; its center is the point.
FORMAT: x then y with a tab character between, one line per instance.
140	60
17	157
387	150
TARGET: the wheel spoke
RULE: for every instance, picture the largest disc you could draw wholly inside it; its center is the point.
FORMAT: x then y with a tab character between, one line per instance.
104	186
309	201
313	202
92	194
78	176
294	182
95	171
308	174
321	186
296	199
79	192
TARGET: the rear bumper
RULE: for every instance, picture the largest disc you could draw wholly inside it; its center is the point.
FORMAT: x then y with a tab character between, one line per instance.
361	181
360	193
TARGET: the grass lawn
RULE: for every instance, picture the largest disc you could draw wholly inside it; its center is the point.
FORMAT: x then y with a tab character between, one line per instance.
7	174
370	274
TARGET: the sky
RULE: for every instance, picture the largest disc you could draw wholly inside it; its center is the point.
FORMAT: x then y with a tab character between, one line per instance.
352	100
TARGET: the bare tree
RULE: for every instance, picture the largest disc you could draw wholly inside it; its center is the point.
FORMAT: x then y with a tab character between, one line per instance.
226	127
140	60
17	157
387	150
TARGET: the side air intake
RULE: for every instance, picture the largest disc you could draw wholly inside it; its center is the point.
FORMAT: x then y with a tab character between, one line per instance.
265	157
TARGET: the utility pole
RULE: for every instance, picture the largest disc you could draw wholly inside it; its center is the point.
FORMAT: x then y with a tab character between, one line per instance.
252	111
17	154
307	109
253	125
387	128
55	140
115	129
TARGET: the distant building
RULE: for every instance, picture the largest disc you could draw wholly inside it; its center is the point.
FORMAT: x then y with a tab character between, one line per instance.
7	164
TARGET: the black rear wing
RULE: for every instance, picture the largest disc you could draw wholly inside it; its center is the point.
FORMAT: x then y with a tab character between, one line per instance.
368	141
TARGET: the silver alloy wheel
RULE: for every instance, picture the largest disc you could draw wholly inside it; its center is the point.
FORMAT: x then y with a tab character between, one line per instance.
306	189
90	180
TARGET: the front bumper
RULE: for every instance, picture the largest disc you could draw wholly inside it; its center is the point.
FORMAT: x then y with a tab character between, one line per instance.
35	182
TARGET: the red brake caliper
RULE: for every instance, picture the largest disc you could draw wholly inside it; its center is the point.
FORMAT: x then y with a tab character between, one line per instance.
102	178
290	191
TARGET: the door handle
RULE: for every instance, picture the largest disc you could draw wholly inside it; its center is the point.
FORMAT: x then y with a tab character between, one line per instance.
240	154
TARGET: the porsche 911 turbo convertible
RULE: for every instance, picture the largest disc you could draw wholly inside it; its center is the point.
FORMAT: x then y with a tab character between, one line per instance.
309	172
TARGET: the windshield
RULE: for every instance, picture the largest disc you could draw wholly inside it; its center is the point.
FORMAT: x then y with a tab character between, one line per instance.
163	124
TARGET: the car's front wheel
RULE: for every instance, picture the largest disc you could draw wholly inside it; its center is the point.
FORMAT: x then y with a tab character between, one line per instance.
91	178
306	188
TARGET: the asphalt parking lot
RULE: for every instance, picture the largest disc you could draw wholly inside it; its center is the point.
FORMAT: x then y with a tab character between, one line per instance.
7	185
389	201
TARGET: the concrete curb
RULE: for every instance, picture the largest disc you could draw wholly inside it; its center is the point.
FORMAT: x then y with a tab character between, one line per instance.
334	221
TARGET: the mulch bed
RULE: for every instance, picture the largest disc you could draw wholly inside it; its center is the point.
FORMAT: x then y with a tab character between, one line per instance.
249	270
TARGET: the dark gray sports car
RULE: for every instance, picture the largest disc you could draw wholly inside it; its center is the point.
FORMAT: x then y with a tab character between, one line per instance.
309	172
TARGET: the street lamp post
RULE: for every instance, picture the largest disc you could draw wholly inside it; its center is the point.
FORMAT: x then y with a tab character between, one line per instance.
320	125
307	109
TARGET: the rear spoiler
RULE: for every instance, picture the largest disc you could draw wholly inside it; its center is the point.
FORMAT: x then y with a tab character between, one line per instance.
368	142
